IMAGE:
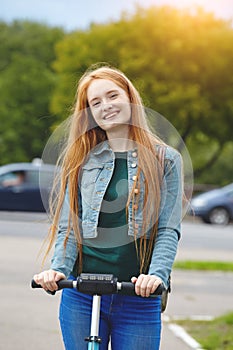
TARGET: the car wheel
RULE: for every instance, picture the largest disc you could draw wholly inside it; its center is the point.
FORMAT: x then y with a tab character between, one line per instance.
219	216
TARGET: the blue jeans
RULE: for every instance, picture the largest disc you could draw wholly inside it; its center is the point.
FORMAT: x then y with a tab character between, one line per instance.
133	323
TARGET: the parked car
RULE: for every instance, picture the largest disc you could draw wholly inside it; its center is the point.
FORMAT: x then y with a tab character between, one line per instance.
215	206
25	186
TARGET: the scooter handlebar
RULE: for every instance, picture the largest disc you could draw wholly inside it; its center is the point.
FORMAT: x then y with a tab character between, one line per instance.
99	284
61	284
129	289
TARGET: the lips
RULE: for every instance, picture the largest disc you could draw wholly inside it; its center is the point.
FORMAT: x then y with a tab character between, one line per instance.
110	115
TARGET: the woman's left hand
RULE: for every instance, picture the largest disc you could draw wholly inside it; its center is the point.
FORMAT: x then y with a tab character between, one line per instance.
146	284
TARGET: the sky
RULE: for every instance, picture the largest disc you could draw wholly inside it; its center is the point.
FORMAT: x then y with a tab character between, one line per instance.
78	14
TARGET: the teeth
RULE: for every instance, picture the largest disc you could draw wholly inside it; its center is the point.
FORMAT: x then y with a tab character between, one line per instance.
110	115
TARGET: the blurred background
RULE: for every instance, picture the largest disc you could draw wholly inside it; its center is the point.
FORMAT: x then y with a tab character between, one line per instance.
179	54
179	57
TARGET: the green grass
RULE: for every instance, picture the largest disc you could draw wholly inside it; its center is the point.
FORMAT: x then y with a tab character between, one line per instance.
205	265
212	335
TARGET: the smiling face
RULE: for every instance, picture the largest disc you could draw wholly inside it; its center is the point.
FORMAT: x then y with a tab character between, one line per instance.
109	104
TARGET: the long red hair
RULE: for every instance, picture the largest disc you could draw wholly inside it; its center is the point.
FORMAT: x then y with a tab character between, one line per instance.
84	135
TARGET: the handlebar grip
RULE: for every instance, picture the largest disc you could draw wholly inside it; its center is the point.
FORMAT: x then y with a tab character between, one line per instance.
35	285
61	284
159	290
129	289
65	284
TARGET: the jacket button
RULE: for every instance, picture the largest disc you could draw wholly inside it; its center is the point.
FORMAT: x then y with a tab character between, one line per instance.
133	165
136	190
134	177
134	154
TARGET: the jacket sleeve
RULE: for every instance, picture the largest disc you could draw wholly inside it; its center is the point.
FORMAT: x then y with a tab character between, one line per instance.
170	217
64	258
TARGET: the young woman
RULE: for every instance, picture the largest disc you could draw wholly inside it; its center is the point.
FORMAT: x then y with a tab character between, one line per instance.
118	211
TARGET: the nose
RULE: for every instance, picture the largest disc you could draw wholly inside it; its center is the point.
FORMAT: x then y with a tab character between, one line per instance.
107	106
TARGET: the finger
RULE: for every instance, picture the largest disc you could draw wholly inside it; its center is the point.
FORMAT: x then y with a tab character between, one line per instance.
59	276
156	283
146	286
51	283
134	279
39	279
138	284
48	280
35	278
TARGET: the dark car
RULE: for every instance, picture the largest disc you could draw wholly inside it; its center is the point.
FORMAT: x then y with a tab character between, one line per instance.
25	186
214	207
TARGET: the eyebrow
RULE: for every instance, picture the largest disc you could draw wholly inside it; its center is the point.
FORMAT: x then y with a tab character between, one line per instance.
107	93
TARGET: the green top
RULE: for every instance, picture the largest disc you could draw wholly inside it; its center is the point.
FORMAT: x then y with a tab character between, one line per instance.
113	251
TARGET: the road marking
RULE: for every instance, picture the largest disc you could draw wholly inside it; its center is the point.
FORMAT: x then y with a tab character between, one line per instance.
180	332
183	335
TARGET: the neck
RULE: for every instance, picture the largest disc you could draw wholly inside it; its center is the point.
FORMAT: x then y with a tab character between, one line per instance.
121	145
119	139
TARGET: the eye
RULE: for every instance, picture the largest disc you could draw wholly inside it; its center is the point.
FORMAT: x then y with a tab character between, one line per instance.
96	104
113	95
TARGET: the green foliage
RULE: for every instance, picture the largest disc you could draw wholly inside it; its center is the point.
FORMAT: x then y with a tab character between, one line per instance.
204	265
222	169
26	83
180	62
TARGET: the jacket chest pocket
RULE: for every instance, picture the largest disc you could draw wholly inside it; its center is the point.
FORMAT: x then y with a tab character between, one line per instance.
90	174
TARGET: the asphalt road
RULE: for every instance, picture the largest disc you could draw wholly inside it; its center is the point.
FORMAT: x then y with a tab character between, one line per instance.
28	318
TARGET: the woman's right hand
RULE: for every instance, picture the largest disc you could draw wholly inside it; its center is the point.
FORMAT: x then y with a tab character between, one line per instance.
47	279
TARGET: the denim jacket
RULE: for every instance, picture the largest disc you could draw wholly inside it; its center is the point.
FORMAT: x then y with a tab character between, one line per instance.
94	178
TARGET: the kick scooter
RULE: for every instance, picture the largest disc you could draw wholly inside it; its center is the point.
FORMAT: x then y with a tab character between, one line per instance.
97	285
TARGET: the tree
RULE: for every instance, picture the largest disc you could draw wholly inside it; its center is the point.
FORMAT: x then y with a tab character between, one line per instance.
180	61
26	83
